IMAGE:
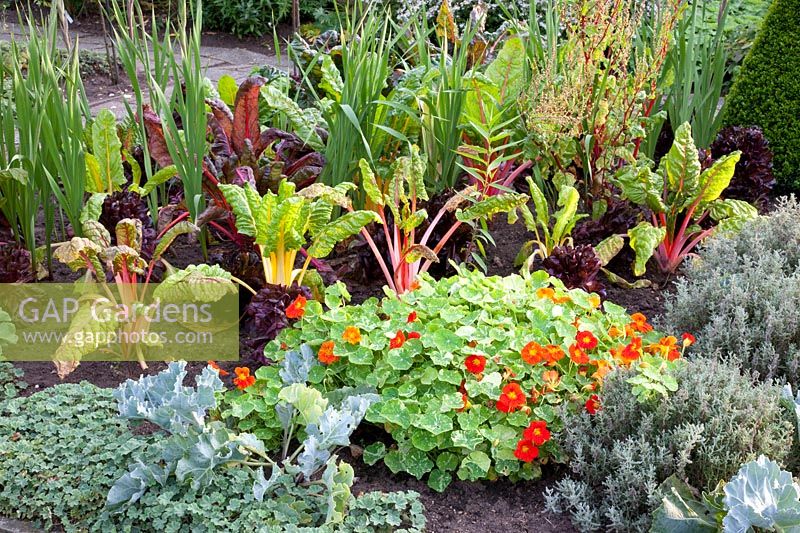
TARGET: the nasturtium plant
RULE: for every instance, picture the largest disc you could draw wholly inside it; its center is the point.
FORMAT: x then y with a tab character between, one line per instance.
471	370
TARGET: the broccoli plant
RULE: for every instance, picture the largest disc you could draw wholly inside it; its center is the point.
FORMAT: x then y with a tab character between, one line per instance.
198	442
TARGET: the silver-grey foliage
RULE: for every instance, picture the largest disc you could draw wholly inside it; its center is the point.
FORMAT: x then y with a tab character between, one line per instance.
740	296
716	420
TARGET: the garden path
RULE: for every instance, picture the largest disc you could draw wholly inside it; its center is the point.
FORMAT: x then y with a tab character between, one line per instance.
222	56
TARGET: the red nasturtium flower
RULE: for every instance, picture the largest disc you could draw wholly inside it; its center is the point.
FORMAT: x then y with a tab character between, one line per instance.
532	353
475	364
325	353
631	352
297	308
526	451
578	356
537	432
688	339
412	316
414	335
216	367
351	335
398	341
511	398
243	378
585	340
593	404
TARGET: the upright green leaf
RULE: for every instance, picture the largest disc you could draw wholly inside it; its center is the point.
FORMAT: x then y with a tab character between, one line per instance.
716	179
681	165
345	226
370	184
108	151
644	239
241	207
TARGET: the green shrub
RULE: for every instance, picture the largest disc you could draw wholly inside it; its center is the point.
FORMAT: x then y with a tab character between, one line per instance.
715	421
463	366
766	92
740	296
254	17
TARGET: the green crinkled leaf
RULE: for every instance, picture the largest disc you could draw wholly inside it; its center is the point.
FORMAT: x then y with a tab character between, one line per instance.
93	207
107	151
681	165
568	198
413	221
507	71
82	336
731	215
79	253
129	233
243	207
370	184
609	248
227	89
642	186
303	121
716	178
162	176
196	283
18	174
489	207
644	239
340	229
331	81
125	259
97	233
418	251
332	195
181	228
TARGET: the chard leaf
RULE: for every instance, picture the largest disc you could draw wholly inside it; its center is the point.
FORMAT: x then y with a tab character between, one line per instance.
502	203
246	126
129	233
716	179
644	239
370	184
345	226
681	165
162	176
181	228
108	151
196	283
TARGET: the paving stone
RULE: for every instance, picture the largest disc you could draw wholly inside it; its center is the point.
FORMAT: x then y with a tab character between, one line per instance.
8	525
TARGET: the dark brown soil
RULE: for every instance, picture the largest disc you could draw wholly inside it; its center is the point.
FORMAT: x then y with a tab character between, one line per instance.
473	507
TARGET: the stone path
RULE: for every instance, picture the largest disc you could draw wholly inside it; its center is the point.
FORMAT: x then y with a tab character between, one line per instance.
217	60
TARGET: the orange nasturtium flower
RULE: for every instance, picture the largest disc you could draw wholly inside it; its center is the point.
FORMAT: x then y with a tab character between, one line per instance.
666	348
578	356
537	432
545	292
585	340
553	354
351	335
398	341
631	352
551	379
603	368
297	308
532	353
526	451
475	364
216	367
615	332
640	324
511	398
243	378
325	353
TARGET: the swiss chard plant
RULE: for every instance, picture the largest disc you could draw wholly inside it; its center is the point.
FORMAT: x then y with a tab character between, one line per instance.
398	194
285	223
123	263
239	144
198	443
684	204
550	229
471	370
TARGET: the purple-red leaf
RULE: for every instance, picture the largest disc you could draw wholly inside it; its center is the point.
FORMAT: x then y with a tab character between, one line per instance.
245	113
221	146
222	113
156	143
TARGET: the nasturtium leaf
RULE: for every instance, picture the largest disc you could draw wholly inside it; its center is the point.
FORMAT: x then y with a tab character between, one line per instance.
374	453
439	480
467	439
417	463
475	466
434	422
423	440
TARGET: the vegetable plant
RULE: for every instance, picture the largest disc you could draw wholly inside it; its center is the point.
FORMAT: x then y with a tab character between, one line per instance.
283	223
198	442
471	370
684	203
551	230
398	195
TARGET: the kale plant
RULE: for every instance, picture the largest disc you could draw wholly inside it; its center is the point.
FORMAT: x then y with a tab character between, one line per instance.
198	444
